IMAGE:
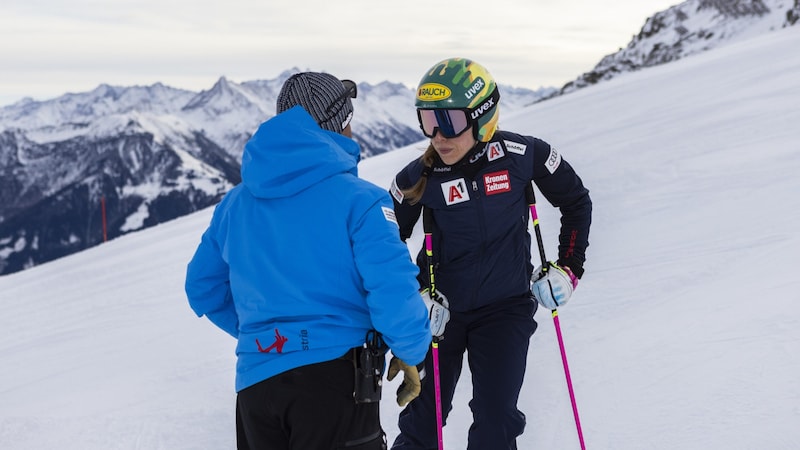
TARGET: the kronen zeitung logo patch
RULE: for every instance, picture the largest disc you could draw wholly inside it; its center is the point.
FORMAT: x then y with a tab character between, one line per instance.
432	92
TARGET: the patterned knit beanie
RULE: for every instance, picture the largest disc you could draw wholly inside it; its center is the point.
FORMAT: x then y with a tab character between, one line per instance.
322	95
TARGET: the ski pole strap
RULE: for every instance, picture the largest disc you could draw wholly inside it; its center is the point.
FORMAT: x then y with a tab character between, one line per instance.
427	226
530	195
427	220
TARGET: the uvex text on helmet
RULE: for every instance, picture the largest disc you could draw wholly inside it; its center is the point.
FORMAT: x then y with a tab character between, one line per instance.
460	83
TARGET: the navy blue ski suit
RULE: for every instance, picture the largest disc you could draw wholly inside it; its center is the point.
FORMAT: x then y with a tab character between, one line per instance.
482	264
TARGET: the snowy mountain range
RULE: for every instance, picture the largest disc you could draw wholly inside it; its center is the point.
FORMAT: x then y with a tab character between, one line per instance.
88	166
148	154
688	28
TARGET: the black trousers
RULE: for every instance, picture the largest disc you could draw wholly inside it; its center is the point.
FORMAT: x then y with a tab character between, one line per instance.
495	339
308	408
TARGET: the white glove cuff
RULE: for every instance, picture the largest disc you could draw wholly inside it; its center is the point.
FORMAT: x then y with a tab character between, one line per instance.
438	313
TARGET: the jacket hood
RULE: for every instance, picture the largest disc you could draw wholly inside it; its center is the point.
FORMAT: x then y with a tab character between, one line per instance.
290	152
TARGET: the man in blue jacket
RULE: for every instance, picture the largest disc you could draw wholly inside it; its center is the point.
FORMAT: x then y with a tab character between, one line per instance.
302	264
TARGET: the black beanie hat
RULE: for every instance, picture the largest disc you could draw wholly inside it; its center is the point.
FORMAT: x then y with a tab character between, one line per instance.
322	95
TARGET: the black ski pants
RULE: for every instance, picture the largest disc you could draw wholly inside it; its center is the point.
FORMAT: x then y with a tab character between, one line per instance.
496	340
308	408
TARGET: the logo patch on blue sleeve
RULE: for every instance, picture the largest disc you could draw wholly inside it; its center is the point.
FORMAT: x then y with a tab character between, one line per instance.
388	213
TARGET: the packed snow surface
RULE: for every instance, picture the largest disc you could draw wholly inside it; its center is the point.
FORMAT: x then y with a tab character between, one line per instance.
683	334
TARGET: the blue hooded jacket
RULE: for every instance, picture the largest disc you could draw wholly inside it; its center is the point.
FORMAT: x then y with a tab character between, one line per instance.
303	258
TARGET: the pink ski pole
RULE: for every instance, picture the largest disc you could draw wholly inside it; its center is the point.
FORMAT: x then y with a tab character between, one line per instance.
569	380
532	204
437	387
427	219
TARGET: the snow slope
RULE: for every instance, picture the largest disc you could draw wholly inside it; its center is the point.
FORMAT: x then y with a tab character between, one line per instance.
683	334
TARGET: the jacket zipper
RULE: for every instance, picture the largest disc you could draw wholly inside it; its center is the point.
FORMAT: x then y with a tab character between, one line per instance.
482	231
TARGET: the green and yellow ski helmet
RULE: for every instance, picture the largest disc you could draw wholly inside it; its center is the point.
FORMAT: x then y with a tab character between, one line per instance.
460	83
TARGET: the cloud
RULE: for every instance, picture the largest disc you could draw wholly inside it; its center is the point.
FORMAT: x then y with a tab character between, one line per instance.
71	46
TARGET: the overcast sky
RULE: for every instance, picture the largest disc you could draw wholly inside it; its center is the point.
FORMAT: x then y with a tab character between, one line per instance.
51	47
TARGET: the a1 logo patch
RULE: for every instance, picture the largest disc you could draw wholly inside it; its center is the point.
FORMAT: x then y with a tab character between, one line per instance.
495	151
455	192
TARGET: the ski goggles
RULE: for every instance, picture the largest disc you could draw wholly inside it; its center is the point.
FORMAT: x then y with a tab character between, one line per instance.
350	91
449	122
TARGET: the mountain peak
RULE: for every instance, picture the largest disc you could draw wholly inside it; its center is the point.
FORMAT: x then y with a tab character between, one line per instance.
222	83
688	28
104	90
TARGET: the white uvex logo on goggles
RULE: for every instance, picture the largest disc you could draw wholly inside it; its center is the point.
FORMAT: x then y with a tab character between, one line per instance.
483	109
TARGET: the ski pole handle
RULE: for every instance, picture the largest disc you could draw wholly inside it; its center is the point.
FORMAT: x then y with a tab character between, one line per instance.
531	197
427	226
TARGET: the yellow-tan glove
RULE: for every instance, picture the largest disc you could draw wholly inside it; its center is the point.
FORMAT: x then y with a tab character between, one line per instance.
412	379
